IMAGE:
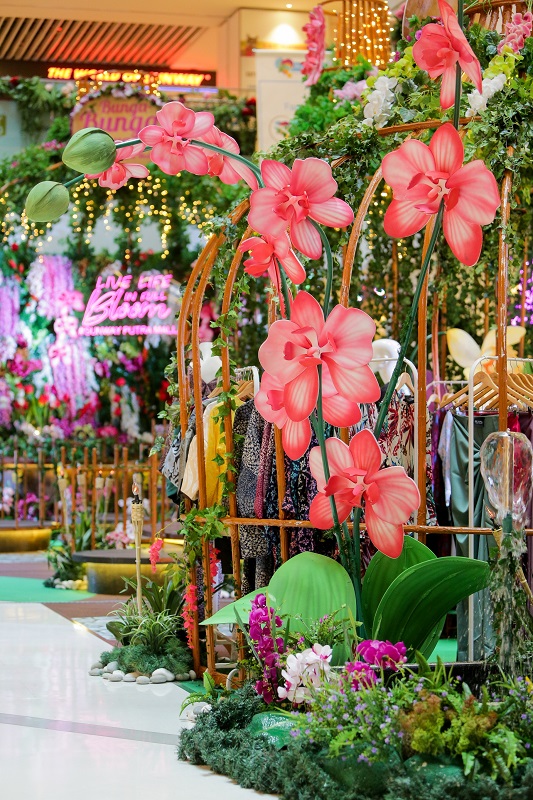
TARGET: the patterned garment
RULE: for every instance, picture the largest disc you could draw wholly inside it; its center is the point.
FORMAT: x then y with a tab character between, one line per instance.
255	548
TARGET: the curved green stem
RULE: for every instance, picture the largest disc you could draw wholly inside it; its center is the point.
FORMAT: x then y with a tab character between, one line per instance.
235	156
74	181
329	265
285	291
129	143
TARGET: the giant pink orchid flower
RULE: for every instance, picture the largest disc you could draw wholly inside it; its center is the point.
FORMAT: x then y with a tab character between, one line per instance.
341	345
172	150
265	252
439	49
390	495
119	173
224	167
422	176
293	197
270	402
315	31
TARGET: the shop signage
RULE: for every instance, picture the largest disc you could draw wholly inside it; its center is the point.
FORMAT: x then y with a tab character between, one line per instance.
121	305
122	117
188	78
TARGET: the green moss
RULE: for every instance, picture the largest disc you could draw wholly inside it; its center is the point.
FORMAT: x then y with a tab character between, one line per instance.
176	657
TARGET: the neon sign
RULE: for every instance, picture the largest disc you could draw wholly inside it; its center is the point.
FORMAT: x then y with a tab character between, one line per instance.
143	305
190	78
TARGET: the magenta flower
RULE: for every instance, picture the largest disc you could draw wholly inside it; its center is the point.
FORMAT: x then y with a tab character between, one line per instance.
359	675
291	198
224	167
341	345
172	150
265	252
119	174
382	654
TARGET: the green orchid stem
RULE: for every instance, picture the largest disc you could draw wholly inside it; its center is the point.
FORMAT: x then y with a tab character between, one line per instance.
255	169
74	181
129	143
409	324
458	73
285	291
329	265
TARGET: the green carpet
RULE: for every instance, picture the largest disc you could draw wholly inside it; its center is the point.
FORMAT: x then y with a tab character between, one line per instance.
31	590
446	649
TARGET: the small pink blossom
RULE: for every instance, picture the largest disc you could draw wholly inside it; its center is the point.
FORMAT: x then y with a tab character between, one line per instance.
351	90
172	150
517	31
228	169
359	675
315	31
119	173
265	253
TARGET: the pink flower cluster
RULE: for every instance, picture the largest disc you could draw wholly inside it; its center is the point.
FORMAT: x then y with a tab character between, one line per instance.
154	553
190	606
315	31
382	654
517	31
262	621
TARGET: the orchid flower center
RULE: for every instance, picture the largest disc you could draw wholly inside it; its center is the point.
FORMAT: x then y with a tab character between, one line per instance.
292	207
305	347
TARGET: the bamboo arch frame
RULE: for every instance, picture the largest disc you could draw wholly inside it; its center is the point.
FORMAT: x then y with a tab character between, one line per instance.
190	312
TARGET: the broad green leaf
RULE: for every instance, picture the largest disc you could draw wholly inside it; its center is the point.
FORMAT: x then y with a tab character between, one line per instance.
226	615
422	595
430	644
274	727
382	571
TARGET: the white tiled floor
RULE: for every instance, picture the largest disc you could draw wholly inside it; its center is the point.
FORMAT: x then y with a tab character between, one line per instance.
44	686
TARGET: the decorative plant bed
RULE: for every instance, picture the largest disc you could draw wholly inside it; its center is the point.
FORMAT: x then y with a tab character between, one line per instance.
25	538
107	569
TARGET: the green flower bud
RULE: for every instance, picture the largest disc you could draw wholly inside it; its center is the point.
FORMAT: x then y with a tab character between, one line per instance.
90	151
47	201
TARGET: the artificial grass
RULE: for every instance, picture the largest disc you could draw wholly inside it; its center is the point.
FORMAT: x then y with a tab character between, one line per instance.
446	649
31	590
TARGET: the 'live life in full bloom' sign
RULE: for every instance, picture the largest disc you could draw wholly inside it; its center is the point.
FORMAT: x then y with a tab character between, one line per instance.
123	305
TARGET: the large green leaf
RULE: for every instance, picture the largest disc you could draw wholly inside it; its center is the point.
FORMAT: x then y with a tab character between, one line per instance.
422	595
276	728
382	571
226	615
427	647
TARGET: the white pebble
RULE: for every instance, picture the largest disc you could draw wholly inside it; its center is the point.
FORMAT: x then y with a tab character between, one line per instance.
129	677
158	679
97	665
114	678
192	675
166	673
95	672
142	679
119	672
112	666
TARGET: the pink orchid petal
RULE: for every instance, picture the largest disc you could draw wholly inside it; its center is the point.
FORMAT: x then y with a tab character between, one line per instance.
447	87
340	411
295	438
167	161
272	352
365	452
478	197
244	172
398	494
401	166
195	160
403	219
353	330
131	151
301	394
262	218
467	58
152	135
137	170
269	383
293	268
356	383
175	117
339	459
317	468
312	176
334	213
203	122
321	515
307	312
227	174
465	238
275	175
306	239
386	536
447	149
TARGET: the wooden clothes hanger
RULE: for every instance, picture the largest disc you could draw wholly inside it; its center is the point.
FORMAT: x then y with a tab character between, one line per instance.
405	380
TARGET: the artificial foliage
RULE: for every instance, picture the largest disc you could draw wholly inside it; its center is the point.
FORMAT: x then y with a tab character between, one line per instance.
174	656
